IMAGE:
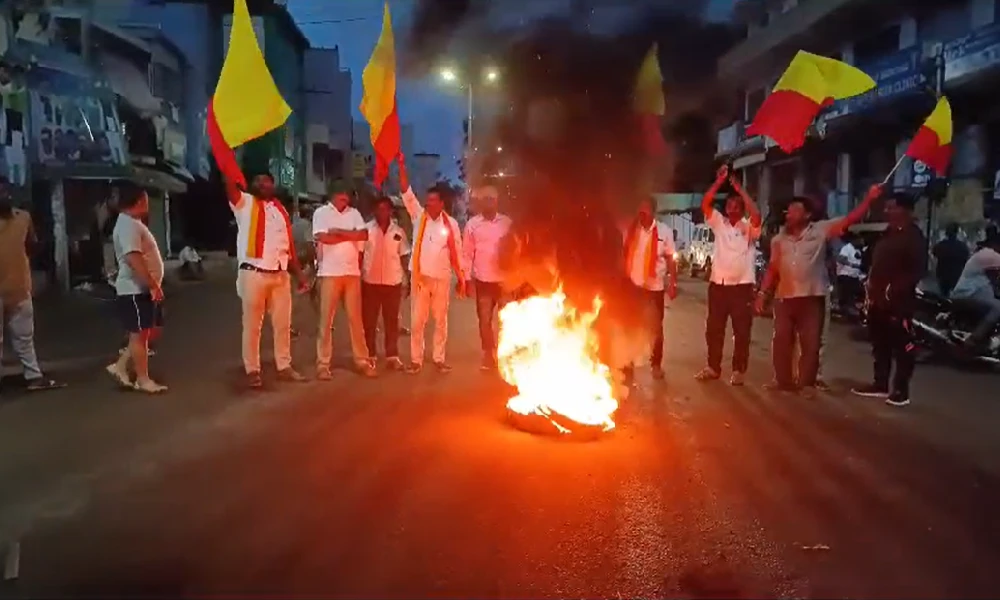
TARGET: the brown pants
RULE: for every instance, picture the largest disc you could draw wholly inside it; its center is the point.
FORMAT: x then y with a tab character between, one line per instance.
333	291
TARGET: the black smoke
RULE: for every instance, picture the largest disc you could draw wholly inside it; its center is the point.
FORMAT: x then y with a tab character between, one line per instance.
574	165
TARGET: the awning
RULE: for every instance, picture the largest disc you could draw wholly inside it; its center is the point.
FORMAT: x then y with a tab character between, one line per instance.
129	82
158	180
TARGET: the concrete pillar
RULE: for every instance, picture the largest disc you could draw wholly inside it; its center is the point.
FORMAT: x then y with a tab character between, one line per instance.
60	235
844	191
764	203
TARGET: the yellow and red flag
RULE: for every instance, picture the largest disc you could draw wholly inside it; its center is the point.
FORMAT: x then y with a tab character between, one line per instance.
932	144
378	105
650	105
810	83
246	103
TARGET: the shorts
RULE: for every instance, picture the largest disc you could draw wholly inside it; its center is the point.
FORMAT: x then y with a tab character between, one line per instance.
138	312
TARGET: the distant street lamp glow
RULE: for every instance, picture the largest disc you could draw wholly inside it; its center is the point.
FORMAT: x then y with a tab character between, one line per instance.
499	148
449	75
492	76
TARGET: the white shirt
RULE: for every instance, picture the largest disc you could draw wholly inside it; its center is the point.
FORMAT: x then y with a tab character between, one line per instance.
337	260
852	258
664	250
383	251
734	250
481	243
435	260
975	280
276	243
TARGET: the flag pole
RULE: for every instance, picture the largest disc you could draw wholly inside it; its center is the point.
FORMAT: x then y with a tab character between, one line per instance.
894	169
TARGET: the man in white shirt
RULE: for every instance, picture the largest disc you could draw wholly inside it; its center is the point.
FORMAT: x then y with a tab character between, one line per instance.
849	288
481	243
382	281
978	285
731	286
340	234
436	256
650	264
265	251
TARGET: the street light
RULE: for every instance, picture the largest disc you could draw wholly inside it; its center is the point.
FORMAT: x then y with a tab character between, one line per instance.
449	75
490	76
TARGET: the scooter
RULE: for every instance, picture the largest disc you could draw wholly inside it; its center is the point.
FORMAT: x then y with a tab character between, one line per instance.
942	327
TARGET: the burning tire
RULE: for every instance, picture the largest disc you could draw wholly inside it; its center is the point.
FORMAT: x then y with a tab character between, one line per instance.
555	426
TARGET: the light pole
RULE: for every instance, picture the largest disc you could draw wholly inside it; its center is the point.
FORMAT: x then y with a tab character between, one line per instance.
490	76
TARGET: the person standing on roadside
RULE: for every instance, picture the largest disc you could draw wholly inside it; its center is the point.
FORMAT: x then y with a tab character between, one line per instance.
382	274
436	257
849	276
481	243
950	256
898	265
341	234
265	250
17	311
731	285
139	288
650	265
798	274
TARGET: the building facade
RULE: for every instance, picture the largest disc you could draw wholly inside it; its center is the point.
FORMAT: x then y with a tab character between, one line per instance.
910	50
328	119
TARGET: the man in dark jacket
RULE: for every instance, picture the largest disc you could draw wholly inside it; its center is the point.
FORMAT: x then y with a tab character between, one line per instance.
951	254
898	264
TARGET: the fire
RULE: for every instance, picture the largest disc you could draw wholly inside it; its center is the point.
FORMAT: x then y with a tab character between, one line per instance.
548	350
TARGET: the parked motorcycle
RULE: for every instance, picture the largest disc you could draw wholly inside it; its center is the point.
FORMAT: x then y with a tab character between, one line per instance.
941	327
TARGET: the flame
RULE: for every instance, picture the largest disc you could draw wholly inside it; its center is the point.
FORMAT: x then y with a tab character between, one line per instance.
548	351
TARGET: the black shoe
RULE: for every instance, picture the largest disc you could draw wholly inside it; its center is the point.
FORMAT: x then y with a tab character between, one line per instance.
254	381
290	375
871	391
897	399
413	368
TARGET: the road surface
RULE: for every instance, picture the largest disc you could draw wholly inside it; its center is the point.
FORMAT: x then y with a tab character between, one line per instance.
415	487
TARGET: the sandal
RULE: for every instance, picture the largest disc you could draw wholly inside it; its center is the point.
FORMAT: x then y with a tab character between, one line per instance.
120	377
44	383
149	387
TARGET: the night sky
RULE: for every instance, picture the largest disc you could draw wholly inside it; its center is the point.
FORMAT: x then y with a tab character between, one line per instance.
435	110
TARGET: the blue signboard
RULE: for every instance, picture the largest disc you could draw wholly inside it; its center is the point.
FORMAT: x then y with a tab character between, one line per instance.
973	52
895	75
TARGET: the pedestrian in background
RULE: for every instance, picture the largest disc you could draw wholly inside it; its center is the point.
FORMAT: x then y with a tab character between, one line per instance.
340	233
139	289
898	264
950	256
731	284
17	311
382	275
481	245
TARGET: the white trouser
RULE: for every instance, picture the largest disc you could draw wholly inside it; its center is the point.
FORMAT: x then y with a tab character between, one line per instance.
429	298
19	321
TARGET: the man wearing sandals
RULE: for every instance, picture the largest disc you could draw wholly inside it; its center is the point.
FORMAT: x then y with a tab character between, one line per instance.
139	288
17	314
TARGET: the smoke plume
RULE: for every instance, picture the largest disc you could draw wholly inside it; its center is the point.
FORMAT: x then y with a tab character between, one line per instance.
574	164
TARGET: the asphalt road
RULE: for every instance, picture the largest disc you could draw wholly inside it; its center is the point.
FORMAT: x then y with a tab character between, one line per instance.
415	487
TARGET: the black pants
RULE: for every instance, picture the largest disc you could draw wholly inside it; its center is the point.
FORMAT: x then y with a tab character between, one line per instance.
891	335
725	303
797	321
381	300
849	292
489	299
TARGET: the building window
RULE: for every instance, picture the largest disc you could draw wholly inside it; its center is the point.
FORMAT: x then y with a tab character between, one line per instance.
754	101
877	46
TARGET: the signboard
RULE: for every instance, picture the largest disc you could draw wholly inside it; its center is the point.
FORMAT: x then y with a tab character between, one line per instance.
921	174
973	52
359	166
895	75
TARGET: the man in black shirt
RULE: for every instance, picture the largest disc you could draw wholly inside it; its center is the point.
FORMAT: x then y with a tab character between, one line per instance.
951	255
898	264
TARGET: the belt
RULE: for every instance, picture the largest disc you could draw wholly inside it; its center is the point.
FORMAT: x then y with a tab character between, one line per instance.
249	267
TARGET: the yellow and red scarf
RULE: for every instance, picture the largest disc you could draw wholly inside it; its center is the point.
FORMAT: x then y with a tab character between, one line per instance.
418	244
255	239
631	245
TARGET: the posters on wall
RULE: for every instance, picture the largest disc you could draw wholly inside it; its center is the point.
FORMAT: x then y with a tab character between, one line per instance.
13	119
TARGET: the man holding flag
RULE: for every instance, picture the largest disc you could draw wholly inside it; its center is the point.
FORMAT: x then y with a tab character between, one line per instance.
265	245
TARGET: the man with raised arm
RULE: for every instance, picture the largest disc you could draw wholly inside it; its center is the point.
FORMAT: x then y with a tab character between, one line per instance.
437	254
265	251
730	290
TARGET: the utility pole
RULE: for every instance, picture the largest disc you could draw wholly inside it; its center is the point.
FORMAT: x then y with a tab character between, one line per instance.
938	187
